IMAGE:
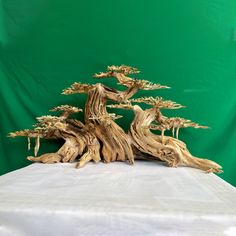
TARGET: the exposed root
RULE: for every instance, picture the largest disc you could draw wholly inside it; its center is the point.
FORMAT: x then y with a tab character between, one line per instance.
48	158
188	160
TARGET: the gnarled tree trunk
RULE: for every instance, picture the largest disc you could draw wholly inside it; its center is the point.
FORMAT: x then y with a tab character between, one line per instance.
170	150
115	144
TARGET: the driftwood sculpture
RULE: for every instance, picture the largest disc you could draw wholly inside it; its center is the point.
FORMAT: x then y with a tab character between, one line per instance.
100	138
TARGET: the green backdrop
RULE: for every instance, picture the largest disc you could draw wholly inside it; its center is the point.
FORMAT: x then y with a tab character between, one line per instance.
45	45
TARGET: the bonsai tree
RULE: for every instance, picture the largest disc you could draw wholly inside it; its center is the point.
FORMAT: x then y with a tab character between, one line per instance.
99	137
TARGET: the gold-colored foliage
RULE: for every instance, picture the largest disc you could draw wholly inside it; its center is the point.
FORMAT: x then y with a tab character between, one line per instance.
67	108
158	102
77	88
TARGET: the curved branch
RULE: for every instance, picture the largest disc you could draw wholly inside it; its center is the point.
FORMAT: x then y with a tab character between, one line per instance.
121	72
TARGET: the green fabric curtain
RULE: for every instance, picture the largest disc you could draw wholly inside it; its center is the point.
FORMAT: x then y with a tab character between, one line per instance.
46	45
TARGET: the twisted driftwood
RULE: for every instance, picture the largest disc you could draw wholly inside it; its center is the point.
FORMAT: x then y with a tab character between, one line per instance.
171	150
100	138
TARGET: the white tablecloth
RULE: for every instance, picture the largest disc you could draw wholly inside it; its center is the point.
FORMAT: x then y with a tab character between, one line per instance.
115	199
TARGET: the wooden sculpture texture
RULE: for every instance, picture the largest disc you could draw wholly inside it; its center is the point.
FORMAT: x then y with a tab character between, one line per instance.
99	137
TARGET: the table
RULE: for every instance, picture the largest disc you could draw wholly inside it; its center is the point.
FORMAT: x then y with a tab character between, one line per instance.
147	198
